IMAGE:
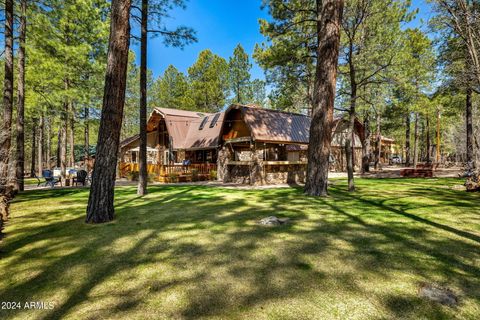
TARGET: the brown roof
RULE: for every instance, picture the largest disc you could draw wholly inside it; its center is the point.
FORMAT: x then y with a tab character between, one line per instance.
265	125
274	125
184	128
208	136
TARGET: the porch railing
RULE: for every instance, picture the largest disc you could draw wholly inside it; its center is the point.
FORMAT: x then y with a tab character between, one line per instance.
164	170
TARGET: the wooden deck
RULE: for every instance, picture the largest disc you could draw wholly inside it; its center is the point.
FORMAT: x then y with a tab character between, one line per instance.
173	172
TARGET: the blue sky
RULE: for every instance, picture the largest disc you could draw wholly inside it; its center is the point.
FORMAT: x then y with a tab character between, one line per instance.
220	26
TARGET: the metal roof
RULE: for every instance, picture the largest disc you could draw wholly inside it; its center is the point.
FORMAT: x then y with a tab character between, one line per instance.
265	125
273	125
184	127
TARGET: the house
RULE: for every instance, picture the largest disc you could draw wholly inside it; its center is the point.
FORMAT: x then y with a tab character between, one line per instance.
264	146
177	135
245	144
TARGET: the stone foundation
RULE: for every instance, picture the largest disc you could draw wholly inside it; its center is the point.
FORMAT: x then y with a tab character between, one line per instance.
293	173
257	174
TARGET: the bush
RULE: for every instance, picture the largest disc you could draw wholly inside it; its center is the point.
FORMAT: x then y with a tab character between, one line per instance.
194	174
173	177
151	177
132	176
213	175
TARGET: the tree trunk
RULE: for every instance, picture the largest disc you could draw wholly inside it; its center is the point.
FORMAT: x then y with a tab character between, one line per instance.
87	139
40	146
407	140
366	144
34	147
427	134
20	151
63	141
142	154
415	142
6	133
351	120
100	202
437	149
378	142
71	134
59	141
329	16
48	153
469	124
349	146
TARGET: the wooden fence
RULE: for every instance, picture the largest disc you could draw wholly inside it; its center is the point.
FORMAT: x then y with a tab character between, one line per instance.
172	172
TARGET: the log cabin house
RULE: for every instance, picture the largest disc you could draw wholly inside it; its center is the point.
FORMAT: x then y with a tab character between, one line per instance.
244	144
174	138
264	146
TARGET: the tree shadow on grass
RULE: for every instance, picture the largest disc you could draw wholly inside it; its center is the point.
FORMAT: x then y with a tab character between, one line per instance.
202	246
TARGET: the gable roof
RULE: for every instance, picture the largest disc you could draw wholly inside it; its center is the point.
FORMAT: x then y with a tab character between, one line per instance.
184	127
271	125
208	136
274	125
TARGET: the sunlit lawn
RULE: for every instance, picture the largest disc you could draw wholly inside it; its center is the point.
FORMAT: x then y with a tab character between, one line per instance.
196	251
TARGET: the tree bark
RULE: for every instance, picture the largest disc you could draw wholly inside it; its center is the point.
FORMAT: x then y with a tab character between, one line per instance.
378	142
48	153
415	142
40	146
329	16
71	134
349	147
34	147
437	149
100	203
427	134
59	141
6	133
87	138
63	141
366	144
351	120
142	154
469	125
20	145
407	139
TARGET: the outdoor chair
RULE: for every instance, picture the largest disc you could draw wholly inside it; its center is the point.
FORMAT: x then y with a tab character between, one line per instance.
50	180
81	177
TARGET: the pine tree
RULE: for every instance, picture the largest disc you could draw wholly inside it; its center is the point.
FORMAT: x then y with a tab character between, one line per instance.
209	82
239	74
6	129
100	202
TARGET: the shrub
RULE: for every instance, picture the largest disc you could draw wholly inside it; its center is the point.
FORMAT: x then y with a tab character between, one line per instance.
132	176
213	174
194	174
151	177
173	177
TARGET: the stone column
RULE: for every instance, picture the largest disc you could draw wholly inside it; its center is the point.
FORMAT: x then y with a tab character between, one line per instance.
224	155
256	168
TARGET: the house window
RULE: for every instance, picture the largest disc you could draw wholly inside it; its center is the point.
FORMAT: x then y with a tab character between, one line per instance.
293	156
276	152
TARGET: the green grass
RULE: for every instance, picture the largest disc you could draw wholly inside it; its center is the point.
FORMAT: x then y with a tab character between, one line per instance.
195	251
31	181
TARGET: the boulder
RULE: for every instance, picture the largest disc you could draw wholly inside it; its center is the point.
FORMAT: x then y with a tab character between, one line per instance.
273	221
437	293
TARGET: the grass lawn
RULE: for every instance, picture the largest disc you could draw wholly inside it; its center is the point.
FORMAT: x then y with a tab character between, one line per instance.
196	251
